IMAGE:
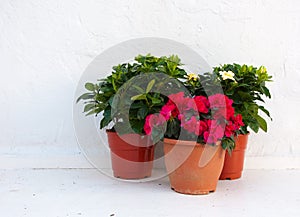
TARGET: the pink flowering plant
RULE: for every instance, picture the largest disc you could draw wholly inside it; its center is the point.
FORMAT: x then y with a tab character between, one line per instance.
206	120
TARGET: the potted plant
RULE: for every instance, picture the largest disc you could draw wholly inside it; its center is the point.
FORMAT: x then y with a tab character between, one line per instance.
124	98
246	86
197	130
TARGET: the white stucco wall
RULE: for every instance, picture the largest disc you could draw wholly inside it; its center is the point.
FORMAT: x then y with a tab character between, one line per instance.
45	45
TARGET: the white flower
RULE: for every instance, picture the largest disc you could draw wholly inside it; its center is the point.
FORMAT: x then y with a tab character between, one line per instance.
227	75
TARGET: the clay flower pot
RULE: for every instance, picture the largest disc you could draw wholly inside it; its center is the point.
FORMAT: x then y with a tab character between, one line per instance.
193	169
234	164
131	155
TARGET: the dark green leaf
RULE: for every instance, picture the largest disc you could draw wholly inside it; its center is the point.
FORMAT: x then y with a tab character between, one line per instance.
254	126
262	123
142	113
265	111
104	122
266	91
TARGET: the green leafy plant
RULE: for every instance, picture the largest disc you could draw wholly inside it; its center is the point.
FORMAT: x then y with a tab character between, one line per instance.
246	86
128	79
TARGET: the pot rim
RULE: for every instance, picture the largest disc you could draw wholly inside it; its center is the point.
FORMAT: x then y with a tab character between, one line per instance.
186	142
109	131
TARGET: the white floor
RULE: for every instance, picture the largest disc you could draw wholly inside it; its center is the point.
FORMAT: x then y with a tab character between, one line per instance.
86	192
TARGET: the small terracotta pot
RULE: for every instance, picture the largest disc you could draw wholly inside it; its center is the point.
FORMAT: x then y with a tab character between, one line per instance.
234	164
131	155
187	173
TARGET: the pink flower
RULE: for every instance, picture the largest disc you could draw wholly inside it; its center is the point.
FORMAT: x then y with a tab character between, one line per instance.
189	104
169	110
214	133
217	101
191	125
147	125
153	120
177	97
182	103
221	107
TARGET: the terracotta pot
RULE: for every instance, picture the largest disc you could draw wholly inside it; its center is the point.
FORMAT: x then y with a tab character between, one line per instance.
234	164
192	175
131	155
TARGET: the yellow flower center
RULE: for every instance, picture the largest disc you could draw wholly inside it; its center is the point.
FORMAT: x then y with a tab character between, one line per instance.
193	76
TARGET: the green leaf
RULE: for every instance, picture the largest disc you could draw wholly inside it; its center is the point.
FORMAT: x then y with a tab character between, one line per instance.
100	97
89	86
266	91
85	96
138	89
138	97
91	112
142	113
137	105
155	100
265	111
137	126
262	123
88	107
175	59
104	122
150	85
254	126
100	107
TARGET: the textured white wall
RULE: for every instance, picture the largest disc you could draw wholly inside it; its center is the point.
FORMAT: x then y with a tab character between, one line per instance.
46	44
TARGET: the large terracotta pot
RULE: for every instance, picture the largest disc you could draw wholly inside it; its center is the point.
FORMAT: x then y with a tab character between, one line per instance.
131	155
234	164
187	173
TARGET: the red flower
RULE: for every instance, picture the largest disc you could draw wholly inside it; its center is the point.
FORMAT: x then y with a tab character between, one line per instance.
221	107
229	130
229	112
202	104
238	121
188	110
228	101
190	125
214	133
217	101
189	104
177	97
234	125
169	110
202	127
153	120
186	104
219	114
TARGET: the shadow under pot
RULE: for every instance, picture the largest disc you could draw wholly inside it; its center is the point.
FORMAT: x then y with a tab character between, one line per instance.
132	155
